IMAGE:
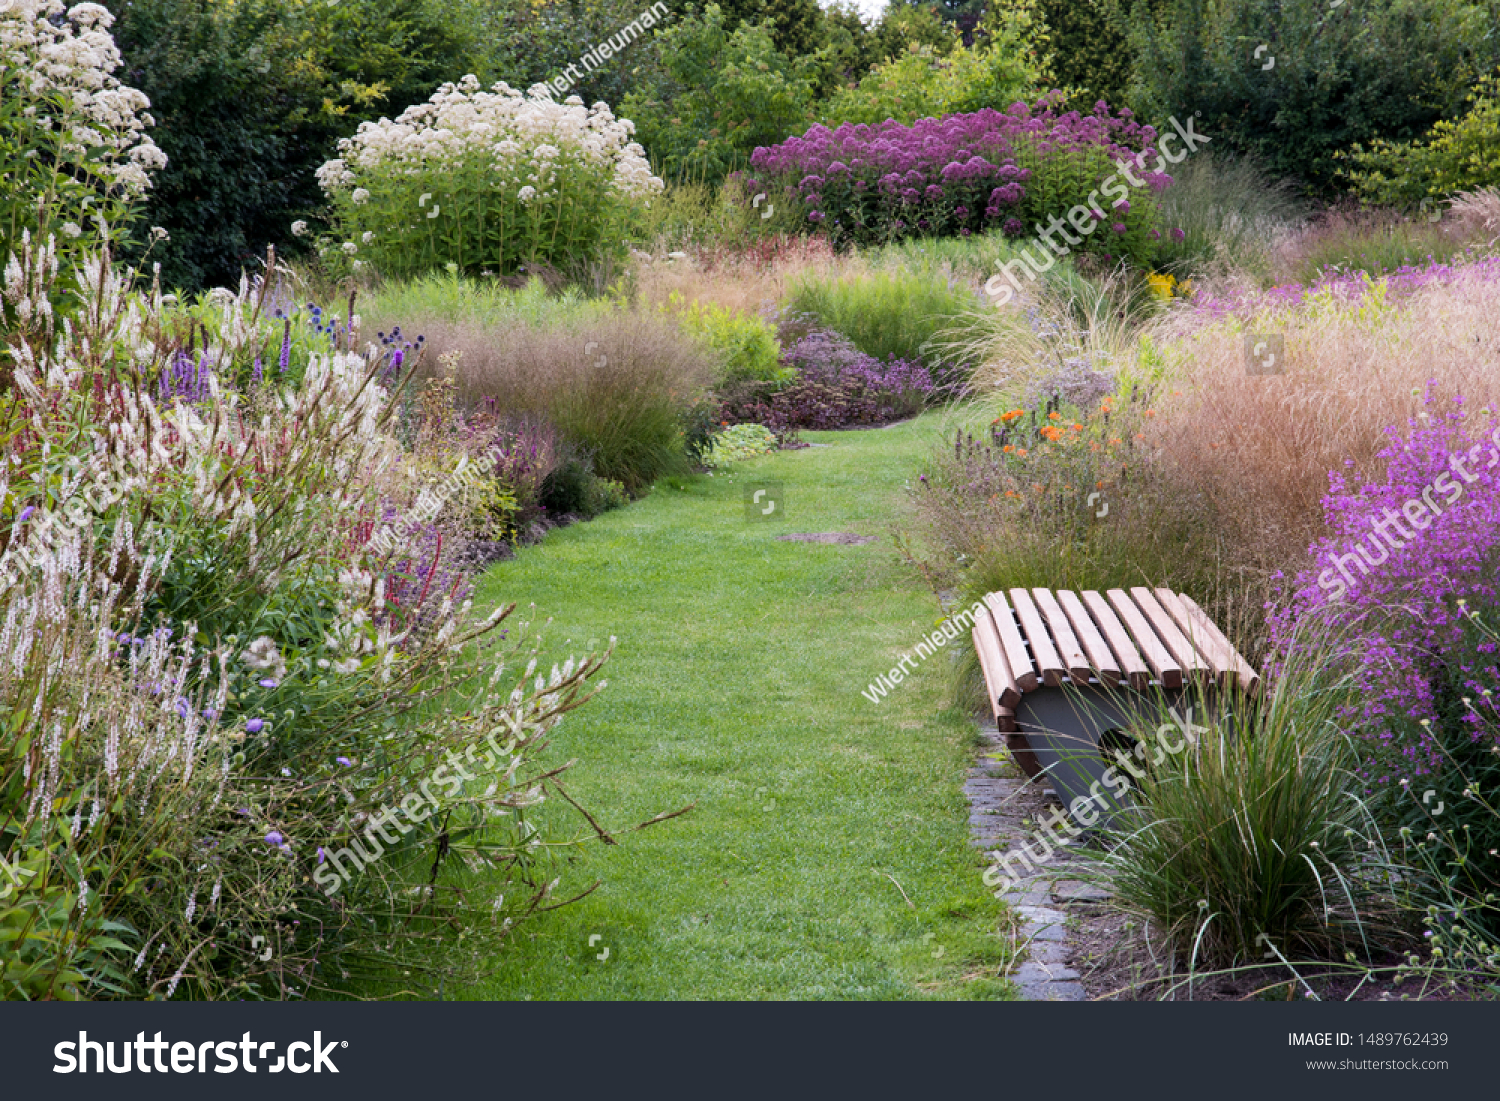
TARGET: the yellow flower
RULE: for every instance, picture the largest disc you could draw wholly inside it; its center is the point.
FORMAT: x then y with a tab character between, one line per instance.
1161	285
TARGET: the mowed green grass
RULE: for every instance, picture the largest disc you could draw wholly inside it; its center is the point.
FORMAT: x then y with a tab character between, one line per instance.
826	854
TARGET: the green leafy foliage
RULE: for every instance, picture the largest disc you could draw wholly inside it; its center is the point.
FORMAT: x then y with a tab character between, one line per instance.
1384	68
737	443
744	345
929	82
1089	52
724	93
910	315
1455	155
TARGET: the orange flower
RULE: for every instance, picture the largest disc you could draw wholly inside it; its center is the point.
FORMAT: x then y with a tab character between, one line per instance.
1011	493
1054	416
1014	414
1050	432
1116	439
1008	447
1020	451
1039	488
1077	428
1099	485
1140	435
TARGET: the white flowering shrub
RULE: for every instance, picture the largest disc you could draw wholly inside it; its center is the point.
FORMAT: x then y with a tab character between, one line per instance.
477	181
73	143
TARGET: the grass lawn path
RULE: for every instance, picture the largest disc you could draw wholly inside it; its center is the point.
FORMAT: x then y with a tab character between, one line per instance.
828	854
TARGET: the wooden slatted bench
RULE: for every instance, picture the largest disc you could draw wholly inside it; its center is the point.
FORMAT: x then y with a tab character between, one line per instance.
1065	671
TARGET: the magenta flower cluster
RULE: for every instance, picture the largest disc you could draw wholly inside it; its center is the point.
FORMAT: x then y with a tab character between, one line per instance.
955	175
1405	563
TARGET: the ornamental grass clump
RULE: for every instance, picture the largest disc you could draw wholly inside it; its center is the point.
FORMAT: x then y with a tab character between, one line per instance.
1251	845
484	181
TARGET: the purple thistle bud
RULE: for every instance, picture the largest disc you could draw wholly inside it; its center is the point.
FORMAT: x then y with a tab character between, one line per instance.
25	514
322	855
274	838
345	762
267	683
255	726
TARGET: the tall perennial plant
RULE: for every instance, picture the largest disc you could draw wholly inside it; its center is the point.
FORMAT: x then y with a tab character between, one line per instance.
484	181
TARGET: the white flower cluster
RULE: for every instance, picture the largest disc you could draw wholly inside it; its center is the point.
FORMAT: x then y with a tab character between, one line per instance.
49	57
526	134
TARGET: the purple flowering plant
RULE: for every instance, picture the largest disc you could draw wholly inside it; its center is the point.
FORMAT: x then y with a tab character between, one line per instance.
836	386
1409	562
964	172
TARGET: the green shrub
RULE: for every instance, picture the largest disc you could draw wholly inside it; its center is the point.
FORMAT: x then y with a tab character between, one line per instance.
519	180
1381	69
1455	155
573	488
915	316
996	71
737	443
1088	50
724	94
744	345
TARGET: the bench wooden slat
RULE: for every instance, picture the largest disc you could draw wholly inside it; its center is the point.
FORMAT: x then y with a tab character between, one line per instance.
1215	653
1167	671
1105	665
1004	691
1249	679
1047	658
1132	665
1068	646
1177	644
1011	642
1005	720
